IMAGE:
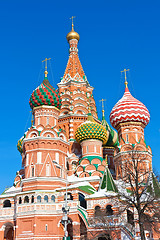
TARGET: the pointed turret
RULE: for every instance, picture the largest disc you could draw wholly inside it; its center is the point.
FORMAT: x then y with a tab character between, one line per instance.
74	70
108	182
75	90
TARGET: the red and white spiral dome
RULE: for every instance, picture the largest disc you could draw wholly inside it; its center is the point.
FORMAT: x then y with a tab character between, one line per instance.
129	109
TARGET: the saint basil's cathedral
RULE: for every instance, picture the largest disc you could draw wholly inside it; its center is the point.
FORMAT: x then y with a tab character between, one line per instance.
71	169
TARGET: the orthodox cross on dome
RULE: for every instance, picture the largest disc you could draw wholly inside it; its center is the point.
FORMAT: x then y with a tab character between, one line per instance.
125	76
46	72
102	100
72	21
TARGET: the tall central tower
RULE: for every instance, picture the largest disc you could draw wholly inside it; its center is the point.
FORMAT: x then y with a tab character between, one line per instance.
75	91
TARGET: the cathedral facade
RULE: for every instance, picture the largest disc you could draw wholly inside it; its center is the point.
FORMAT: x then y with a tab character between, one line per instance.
73	164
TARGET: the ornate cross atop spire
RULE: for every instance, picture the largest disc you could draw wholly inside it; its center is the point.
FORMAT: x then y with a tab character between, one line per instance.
102	100
46	72
125	76
72	22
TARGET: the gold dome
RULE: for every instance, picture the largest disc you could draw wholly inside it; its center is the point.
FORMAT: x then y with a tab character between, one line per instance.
72	35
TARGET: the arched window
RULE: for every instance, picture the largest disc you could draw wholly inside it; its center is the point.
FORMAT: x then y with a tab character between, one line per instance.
97	211
39	199
26	199
20	200
82	200
9	231
6	203
46	227
69	196
109	210
52	198
45	198
32	199
67	166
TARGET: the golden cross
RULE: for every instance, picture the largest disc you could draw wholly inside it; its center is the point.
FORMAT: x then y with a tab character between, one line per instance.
45	60
102	100
72	21
125	76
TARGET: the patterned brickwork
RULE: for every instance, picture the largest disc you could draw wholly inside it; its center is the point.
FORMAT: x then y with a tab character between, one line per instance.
129	109
45	94
91	130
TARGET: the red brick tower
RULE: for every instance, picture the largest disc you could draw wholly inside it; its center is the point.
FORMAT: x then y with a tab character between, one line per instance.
75	91
44	145
129	116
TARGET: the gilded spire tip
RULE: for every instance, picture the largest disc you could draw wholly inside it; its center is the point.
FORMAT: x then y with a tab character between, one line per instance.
102	100
46	72
125	77
72	23
72	34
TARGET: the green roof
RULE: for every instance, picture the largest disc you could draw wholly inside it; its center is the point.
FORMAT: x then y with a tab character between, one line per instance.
88	189
4	192
111	133
108	182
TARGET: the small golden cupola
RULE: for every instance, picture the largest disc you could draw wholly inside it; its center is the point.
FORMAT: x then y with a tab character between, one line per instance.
72	34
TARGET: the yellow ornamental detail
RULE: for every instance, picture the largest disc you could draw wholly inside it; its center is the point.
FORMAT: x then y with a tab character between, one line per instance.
91	130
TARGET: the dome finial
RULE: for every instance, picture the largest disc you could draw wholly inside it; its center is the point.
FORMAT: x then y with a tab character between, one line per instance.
102	100
46	72
125	77
72	23
72	34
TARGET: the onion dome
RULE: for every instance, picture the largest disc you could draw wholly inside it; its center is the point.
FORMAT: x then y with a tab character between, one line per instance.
129	109
19	145
45	94
72	34
91	130
113	136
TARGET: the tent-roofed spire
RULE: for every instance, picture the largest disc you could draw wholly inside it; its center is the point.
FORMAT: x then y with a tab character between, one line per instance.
74	70
107	182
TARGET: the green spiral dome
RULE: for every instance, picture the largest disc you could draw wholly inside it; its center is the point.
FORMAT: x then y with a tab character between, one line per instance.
19	145
113	136
91	130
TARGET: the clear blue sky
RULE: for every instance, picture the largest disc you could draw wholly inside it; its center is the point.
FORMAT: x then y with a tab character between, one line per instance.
113	35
